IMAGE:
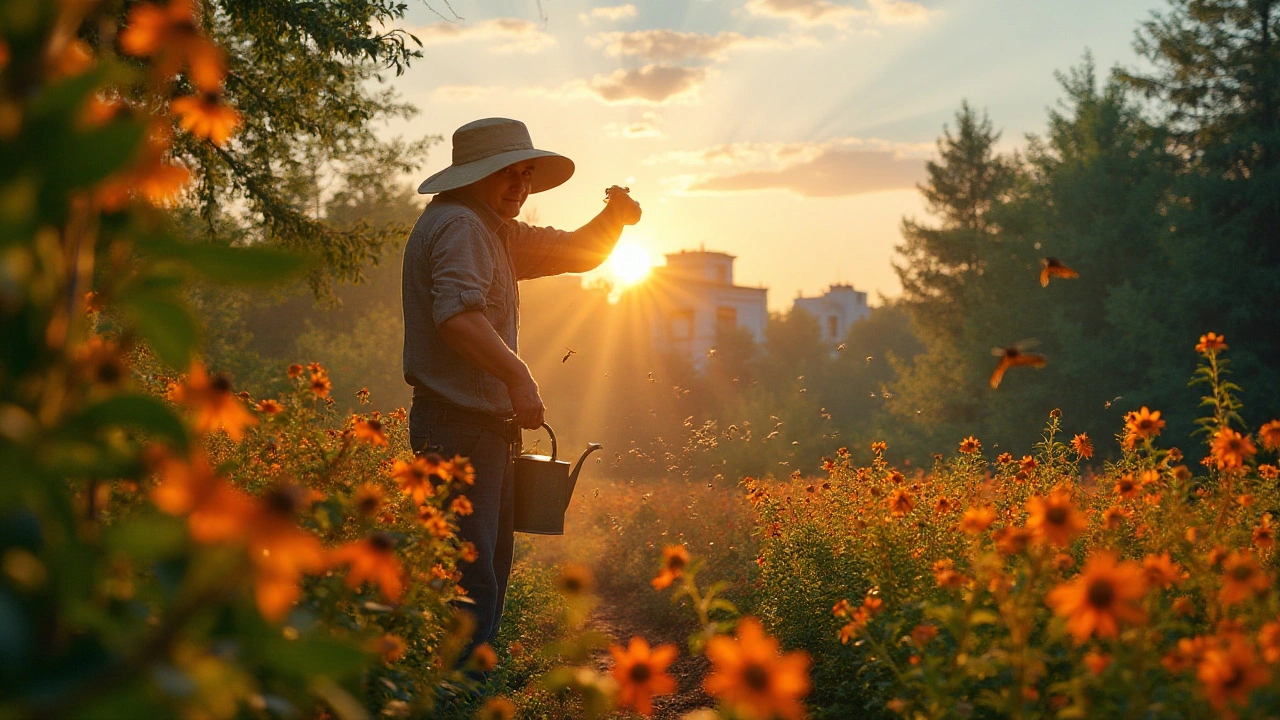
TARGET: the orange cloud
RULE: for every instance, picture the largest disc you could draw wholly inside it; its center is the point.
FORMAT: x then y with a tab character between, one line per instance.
825	12
653	84
661	45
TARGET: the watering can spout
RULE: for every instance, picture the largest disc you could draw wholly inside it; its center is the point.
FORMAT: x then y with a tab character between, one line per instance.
573	476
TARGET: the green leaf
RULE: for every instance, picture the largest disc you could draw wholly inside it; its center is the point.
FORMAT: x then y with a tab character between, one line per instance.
247	265
148	537
311	656
136	411
88	157
165	324
983	617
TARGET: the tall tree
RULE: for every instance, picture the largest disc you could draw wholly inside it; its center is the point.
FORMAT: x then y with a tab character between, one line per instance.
1216	80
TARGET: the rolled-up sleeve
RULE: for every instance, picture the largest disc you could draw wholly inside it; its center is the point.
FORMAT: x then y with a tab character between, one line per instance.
461	265
541	251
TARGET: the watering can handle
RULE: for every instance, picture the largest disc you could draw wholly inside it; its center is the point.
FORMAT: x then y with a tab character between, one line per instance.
553	440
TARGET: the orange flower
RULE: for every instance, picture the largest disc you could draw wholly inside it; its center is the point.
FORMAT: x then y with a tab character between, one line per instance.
1114	515
461	506
878	447
1264	535
1161	571
215	406
362	396
674	560
943	506
102	362
1242	576
1011	541
369	431
414	478
1103	594
922	634
901	502
293	371
1269	435
1211	342
1143	424
281	550
642	673
977	519
1083	446
1230	449
1268	472
4	54
483	657
1269	641
1228	674
368	499
753	678
945	574
320	384
170	36
206	116
270	407
1126	488
970	446
390	647
497	708
1097	662
216	511
1054	519
1004	458
373	559
434	522
575	580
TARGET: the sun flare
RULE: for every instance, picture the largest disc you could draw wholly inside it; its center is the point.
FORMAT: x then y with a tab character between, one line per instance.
629	264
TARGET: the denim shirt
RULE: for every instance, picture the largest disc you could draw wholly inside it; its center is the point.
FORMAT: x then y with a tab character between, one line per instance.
462	256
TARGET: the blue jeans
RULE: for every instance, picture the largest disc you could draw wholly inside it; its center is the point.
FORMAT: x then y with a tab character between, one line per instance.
491	527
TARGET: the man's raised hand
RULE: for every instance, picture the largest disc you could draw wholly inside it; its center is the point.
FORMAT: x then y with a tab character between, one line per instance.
619	201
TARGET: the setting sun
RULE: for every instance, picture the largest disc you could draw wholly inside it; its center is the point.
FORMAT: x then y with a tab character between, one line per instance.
629	263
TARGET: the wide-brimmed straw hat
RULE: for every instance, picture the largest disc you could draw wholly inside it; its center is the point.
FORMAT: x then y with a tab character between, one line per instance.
483	147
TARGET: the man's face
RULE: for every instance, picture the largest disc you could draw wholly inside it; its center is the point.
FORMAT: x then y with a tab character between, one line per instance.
506	190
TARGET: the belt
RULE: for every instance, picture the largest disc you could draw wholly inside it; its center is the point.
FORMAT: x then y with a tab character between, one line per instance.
505	427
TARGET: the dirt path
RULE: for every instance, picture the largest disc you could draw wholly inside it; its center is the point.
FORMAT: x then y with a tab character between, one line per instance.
615	618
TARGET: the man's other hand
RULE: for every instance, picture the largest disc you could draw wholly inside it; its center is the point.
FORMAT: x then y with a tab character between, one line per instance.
625	209
527	403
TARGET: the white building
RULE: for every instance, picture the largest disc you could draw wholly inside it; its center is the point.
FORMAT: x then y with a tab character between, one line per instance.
837	310
691	299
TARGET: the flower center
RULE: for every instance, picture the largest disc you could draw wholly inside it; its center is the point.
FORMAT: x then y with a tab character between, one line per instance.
1241	573
1101	593
756	677
382	542
1056	515
641	672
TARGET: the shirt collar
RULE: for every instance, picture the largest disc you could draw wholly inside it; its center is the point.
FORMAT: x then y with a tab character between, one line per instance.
492	220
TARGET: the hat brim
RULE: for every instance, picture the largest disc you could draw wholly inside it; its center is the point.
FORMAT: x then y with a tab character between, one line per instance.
550	170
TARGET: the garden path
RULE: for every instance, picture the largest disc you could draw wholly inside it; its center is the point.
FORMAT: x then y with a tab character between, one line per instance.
621	621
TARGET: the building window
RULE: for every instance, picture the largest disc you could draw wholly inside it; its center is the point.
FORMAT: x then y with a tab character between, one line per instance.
681	324
726	319
833	327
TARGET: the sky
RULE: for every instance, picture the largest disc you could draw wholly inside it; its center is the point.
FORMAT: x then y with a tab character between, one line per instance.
789	133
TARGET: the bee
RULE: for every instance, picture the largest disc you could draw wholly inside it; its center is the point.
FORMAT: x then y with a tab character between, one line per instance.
1053	267
840	347
651	378
1107	405
570	353
1013	356
869	358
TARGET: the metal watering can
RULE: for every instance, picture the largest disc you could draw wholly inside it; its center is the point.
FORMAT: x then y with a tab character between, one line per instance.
544	486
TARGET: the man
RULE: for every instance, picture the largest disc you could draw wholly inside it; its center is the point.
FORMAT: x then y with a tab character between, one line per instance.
471	391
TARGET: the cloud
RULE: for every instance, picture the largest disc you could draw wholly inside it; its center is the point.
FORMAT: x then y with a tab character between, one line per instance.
672	45
809	12
899	12
651	84
645	127
460	93
825	12
846	166
613	13
510	34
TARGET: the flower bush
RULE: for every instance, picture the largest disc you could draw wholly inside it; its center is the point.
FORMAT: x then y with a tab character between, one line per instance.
1037	586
